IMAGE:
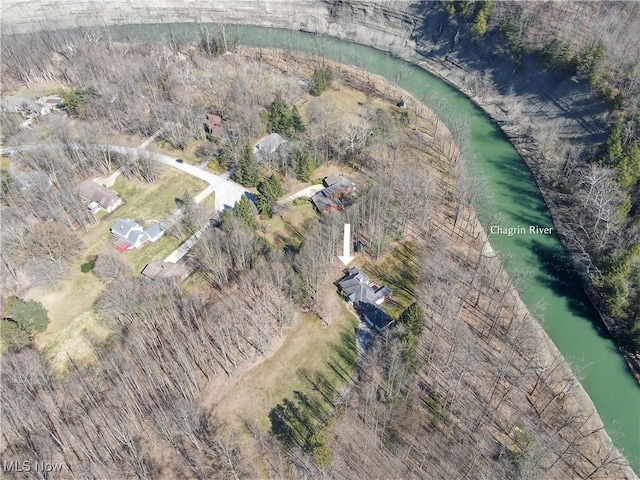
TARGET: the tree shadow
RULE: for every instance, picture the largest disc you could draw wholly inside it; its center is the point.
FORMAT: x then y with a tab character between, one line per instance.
558	274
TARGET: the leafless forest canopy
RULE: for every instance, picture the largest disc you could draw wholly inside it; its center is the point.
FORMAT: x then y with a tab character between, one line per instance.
592	189
486	395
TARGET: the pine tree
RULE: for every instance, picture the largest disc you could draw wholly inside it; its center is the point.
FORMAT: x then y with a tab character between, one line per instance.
304	164
269	191
247	172
29	315
320	81
280	118
244	210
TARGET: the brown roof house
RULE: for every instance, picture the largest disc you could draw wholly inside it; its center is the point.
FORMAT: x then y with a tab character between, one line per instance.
213	125
99	197
337	189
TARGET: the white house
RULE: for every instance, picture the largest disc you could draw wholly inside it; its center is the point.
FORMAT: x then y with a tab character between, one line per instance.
130	235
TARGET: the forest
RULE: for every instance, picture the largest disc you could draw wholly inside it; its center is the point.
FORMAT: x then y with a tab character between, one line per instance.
464	385
592	189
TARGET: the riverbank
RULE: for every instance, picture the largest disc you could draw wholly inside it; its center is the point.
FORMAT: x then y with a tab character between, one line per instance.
527	147
573	397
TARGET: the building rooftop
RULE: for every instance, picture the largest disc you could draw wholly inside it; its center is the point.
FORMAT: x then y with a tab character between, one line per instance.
356	287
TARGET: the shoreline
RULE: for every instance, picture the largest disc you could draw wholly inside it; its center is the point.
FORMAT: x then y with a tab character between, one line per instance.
528	153
549	350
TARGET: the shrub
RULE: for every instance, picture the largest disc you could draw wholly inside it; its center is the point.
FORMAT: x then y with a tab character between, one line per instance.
88	266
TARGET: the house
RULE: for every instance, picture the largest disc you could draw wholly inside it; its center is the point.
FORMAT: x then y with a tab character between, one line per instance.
375	317
337	189
99	197
178	271
213	125
27	106
365	297
356	288
269	144
130	235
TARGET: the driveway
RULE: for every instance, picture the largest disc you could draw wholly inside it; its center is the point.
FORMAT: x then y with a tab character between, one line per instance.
305	192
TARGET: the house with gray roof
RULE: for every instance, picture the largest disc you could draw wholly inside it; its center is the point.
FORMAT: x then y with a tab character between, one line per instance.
269	145
24	105
130	235
365	297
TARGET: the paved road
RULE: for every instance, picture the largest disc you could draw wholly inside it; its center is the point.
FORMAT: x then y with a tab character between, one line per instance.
227	192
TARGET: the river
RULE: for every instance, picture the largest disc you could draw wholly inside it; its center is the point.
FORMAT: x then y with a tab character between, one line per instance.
549	287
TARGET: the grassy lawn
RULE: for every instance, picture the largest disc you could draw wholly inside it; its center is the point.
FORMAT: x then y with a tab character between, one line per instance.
155	251
399	271
5	163
74	343
188	154
309	351
288	229
342	100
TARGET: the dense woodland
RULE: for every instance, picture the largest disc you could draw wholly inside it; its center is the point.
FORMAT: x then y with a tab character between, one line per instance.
466	385
594	192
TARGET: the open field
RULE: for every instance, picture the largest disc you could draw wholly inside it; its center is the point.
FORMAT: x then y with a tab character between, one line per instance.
74	343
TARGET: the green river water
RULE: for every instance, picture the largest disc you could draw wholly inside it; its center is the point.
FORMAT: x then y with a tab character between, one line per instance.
566	314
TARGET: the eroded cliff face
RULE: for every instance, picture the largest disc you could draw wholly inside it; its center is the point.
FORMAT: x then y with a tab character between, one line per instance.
385	25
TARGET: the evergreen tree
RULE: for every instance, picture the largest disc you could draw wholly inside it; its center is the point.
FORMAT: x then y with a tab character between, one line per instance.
13	337
247	172
613	147
269	191
304	164
412	318
320	81
280	118
245	210
628	169
479	27
28	315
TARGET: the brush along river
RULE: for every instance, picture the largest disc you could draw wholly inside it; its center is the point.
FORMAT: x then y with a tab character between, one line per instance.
524	236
